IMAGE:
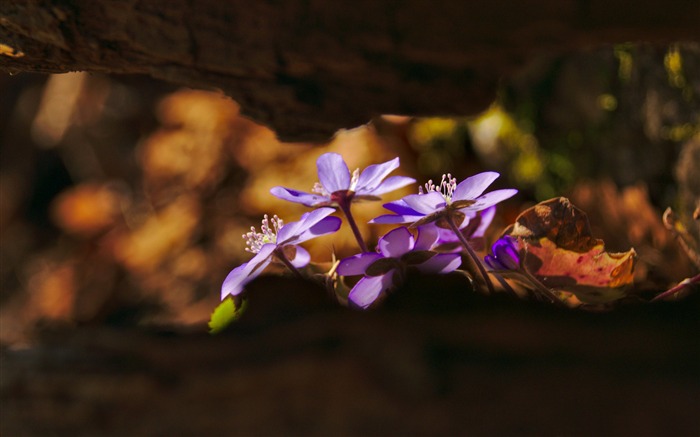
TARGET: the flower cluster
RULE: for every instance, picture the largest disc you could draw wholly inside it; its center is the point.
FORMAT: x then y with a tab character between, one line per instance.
446	222
439	230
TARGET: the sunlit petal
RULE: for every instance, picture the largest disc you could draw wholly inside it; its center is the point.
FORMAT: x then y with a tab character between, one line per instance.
333	173
441	263
491	198
392	183
241	275
396	243
473	186
295	196
301	257
368	289
328	225
393	219
291	231
372	176
487	216
427	236
425	203
356	265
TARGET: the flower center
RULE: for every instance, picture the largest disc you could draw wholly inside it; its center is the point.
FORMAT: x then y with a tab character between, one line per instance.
447	186
269	229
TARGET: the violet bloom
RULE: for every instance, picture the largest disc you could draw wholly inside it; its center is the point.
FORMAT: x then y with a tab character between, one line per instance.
338	186
448	200
279	240
398	250
505	254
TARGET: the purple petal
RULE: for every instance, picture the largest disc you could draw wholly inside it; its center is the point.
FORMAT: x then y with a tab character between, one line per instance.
427	236
301	257
241	275
368	289
291	231
235	280
392	183
403	214
506	253
487	216
356	265
400	207
425	203
490	199
295	196
396	243
441	263
392	219
373	175
473	186
333	172
326	226
447	236
493	263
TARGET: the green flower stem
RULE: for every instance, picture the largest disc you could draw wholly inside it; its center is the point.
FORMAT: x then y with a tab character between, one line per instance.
678	288
345	207
474	265
280	256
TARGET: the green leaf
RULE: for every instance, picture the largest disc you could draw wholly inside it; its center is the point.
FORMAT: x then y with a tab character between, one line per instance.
224	315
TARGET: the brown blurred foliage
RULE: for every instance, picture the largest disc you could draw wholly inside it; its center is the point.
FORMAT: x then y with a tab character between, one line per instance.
627	219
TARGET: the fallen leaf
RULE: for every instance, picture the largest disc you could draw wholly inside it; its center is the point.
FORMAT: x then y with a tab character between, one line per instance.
562	252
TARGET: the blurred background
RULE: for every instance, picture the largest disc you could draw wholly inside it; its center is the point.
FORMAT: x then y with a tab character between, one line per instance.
123	199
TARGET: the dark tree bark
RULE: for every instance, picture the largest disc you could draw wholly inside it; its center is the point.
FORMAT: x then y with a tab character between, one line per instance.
308	68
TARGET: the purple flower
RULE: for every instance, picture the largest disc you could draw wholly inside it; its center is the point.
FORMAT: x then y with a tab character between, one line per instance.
281	240
505	254
397	251
449	198
338	185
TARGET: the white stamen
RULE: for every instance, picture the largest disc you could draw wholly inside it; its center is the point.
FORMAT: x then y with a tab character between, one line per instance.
318	189
447	186
353	180
255	240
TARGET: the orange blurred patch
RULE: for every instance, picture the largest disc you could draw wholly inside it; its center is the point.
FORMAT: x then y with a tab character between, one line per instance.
53	289
88	209
186	154
162	236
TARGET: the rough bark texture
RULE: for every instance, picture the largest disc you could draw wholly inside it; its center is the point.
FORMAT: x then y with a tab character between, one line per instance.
439	361
308	68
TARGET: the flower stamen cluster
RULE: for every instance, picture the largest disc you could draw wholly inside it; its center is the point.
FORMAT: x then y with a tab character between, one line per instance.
268	234
447	187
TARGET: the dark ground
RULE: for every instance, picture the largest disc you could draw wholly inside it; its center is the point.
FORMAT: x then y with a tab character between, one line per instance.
433	361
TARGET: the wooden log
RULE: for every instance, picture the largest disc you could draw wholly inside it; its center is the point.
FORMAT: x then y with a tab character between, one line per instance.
308	68
434	360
